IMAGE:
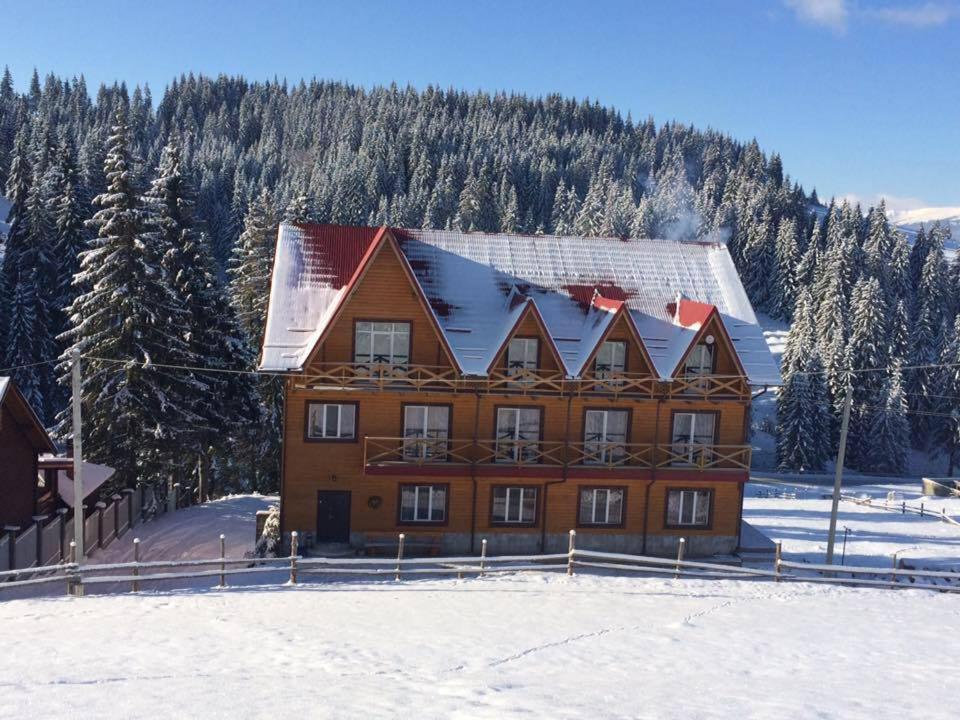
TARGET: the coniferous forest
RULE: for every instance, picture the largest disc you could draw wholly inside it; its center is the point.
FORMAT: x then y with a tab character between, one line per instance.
141	233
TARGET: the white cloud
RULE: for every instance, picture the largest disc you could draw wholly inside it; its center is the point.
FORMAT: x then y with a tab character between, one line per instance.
895	203
835	14
929	14
829	13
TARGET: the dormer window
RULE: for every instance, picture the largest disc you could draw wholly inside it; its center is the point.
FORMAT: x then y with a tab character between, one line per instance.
700	360
611	359
382	343
522	355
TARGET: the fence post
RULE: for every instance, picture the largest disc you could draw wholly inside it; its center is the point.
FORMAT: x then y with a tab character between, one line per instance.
101	506
63	533
893	576
483	555
38	523
223	565
776	562
571	551
136	559
903	508
74	581
943	514
399	554
293	557
11	531
921	509
680	548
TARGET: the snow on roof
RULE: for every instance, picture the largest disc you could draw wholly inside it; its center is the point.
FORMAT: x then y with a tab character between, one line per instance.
4	383
94	476
472	282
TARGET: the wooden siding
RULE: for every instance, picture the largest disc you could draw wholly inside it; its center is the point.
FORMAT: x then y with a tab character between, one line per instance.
385	293
313	466
18	472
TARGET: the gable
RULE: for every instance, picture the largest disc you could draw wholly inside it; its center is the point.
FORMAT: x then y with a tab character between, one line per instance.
621	329
529	324
384	290
725	362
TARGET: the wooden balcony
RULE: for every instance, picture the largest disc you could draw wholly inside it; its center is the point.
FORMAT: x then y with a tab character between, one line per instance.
386	452
384	376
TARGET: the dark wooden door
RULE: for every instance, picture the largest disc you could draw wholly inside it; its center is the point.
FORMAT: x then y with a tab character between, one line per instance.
333	516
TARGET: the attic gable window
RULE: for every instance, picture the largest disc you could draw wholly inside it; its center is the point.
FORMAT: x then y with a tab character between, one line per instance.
700	360
382	343
522	354
611	358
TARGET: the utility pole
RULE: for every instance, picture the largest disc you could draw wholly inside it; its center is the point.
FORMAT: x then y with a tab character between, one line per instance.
78	523
838	476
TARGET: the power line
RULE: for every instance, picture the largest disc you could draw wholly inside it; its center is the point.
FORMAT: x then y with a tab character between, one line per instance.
4	371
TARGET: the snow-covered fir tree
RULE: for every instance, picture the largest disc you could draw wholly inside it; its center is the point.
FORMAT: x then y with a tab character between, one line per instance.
127	323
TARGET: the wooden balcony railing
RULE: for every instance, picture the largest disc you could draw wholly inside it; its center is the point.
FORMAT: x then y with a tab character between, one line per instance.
388	451
523	381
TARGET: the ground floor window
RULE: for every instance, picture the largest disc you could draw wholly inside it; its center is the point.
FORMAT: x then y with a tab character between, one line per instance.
688	508
515	505
423	503
601	506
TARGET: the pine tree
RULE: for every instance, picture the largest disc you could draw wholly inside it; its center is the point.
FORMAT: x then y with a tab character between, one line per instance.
787	256
251	267
888	428
590	217
128	324
225	402
947	389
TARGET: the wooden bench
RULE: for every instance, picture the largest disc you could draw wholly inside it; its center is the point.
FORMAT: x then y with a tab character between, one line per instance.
382	543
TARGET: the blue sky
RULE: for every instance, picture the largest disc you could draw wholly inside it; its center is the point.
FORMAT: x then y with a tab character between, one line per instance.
860	97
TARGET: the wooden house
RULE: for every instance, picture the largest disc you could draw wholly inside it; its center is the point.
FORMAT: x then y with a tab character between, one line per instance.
23	491
459	386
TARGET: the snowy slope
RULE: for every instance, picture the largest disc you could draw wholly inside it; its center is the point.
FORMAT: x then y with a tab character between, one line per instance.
910	221
538	646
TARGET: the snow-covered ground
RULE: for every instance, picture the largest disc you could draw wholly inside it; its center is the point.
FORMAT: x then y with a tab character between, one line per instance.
535	645
801	524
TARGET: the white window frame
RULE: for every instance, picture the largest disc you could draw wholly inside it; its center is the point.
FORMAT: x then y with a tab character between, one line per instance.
322	409
514	452
614	365
418	442
595	505
524	494
608	450
700	360
691	446
430	491
522	353
693	500
368	327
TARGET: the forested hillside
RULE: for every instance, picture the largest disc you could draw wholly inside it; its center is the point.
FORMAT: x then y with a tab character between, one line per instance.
142	235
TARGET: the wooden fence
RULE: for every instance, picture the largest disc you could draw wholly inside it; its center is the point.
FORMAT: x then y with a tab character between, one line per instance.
47	540
902	507
74	576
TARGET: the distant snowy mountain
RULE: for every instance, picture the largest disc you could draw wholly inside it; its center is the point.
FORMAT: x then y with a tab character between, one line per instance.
910	221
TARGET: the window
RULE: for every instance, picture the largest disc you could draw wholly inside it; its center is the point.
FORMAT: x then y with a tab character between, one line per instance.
516	505
699	364
423	503
688	508
425	431
331	422
522	355
693	434
601	506
611	358
605	436
518	430
700	360
382	342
